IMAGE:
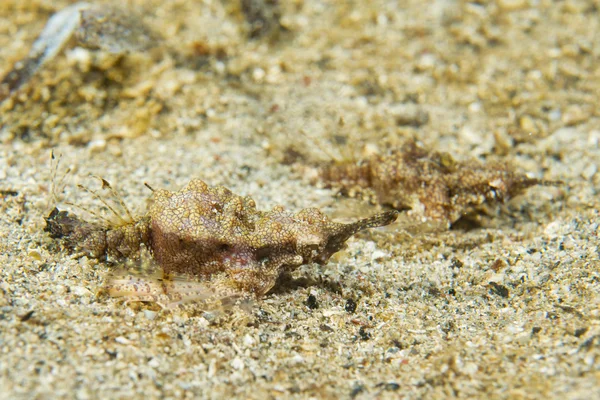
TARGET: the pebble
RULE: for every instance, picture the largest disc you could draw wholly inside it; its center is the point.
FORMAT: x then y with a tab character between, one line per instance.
150	315
249	341
589	171
512	5
97	146
237	363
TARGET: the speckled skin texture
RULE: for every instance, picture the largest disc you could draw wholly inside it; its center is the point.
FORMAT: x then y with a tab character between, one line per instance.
205	232
97	240
202	231
430	183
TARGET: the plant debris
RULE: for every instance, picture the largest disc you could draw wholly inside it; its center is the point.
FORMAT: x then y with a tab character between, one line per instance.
108	29
429	183
210	234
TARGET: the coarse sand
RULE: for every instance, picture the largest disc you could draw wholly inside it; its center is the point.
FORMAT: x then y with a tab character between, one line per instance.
507	307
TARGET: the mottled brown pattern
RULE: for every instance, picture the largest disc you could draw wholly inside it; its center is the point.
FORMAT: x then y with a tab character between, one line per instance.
430	183
97	240
213	233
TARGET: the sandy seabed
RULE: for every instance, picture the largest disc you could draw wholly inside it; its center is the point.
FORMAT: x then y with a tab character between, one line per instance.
508	308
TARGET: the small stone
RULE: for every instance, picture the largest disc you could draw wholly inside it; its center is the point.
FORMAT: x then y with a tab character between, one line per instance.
527	124
97	146
311	302
35	255
364	335
249	341
122	340
580	331
498	289
80	291
258	74
350	306
512	5
574	115
150	315
237	363
392	386
589	171
154	363
379	255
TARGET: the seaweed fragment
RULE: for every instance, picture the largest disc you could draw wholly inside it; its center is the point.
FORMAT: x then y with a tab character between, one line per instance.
109	29
214	236
430	183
